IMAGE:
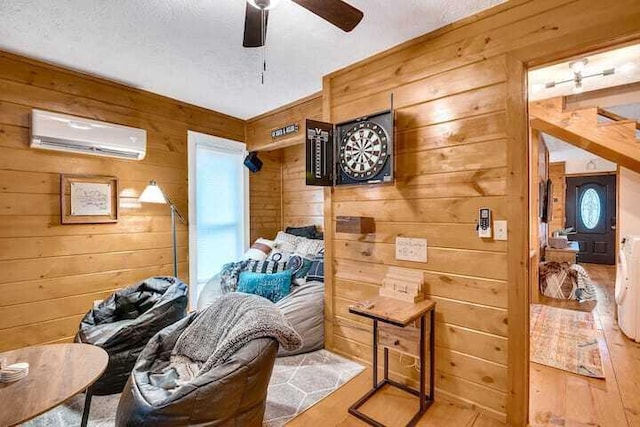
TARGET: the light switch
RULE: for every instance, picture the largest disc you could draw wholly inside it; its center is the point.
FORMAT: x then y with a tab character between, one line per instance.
408	249
500	230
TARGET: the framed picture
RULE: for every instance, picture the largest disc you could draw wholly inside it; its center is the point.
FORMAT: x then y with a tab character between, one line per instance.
88	199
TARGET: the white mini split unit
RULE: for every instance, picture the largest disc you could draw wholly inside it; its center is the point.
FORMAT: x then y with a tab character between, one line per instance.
60	132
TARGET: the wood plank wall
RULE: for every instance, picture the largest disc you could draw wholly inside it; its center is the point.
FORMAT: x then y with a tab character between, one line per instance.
557	176
265	197
295	202
301	204
259	128
461	123
451	160
52	273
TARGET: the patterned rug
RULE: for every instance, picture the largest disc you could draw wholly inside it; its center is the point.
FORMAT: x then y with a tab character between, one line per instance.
565	339
297	383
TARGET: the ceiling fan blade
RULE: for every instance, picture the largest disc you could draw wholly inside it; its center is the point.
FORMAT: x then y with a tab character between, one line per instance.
253	35
337	12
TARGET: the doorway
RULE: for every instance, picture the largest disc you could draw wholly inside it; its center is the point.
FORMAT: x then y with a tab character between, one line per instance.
582	121
591	212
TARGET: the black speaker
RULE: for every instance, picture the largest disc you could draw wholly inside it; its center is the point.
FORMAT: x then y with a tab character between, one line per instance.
252	162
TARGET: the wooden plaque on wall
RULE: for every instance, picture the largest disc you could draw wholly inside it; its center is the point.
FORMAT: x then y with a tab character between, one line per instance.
88	199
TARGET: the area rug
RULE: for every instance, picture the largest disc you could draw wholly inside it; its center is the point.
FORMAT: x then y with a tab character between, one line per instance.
297	383
565	339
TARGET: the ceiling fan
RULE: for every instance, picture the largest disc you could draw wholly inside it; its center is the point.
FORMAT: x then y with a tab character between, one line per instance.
336	12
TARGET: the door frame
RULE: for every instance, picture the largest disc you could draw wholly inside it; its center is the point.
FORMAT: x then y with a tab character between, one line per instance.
193	139
548	57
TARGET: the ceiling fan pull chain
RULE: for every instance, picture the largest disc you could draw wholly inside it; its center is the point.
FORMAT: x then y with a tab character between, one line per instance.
263	34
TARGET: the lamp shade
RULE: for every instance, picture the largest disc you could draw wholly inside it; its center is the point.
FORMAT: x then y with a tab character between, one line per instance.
152	194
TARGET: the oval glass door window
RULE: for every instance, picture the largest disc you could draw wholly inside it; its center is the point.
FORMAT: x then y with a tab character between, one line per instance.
590	208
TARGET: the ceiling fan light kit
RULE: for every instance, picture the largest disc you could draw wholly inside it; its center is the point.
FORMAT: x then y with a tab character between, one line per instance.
263	4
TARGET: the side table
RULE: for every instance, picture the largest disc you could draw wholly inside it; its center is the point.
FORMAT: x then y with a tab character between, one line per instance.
402	314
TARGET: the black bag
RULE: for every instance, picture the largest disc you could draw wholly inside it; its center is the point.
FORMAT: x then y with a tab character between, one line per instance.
124	323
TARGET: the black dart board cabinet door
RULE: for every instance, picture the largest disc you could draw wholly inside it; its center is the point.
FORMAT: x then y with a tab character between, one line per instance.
319	153
364	150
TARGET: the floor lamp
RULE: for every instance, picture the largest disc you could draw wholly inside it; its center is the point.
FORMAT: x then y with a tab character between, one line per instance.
154	194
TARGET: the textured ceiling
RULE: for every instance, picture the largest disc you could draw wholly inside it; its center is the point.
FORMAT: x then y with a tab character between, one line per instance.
191	50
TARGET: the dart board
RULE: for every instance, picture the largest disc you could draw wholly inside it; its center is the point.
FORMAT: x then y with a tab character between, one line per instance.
365	150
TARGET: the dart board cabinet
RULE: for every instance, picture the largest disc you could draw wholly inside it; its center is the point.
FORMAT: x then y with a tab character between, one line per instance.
355	152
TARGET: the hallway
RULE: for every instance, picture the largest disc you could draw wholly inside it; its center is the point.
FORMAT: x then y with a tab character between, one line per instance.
560	398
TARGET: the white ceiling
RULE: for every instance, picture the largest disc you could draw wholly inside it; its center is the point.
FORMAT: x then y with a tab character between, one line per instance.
626	62
192	50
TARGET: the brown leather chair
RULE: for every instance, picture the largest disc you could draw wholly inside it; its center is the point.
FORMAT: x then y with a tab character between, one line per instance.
232	394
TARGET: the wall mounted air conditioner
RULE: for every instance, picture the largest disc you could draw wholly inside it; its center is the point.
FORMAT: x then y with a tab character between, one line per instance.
60	132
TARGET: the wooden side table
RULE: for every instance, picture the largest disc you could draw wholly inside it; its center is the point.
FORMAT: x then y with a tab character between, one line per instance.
401	314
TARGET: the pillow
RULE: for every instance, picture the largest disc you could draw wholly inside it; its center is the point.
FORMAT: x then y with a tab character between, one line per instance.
229	275
316	270
299	267
260	249
287	242
265	266
308	231
300	245
280	255
274	286
309	247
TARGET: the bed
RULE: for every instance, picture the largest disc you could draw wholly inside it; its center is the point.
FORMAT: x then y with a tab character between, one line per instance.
300	252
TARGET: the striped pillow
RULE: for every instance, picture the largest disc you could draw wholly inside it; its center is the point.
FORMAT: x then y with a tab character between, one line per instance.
316	271
265	266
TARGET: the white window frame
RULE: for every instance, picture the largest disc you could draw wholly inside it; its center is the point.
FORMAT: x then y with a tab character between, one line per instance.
195	139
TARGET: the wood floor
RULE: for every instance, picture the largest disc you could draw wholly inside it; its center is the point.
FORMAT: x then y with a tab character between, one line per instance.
390	406
559	398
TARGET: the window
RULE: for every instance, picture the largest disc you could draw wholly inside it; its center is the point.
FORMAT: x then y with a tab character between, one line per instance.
590	208
218	184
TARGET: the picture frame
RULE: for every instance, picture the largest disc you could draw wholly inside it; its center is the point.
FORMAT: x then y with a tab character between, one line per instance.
88	199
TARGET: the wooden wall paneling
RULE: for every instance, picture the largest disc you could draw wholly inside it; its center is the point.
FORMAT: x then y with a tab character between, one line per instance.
557	176
18	69
447	133
329	228
279	195
258	129
442	180
518	244
301	204
53	273
265	197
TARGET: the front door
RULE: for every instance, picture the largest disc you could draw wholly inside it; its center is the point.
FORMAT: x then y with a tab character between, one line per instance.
591	211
